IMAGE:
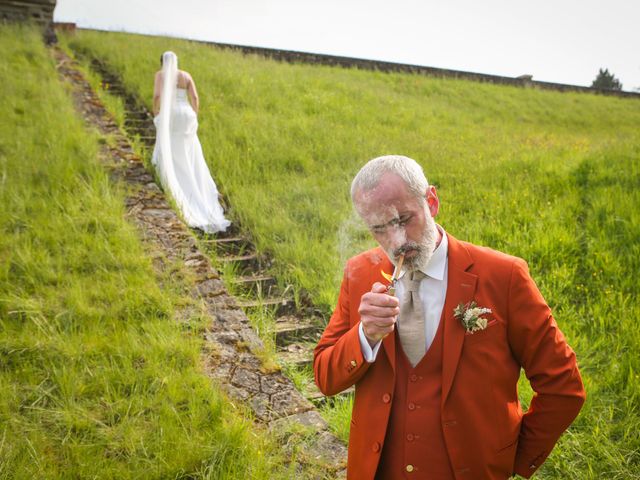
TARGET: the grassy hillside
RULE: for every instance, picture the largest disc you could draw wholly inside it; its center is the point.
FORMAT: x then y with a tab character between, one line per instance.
548	176
97	380
285	140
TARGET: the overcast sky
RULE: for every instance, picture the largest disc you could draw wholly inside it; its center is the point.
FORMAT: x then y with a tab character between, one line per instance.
564	41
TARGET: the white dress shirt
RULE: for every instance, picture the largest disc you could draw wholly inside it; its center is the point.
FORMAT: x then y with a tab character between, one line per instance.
433	291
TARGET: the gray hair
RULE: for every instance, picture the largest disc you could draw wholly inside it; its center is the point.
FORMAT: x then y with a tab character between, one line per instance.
404	167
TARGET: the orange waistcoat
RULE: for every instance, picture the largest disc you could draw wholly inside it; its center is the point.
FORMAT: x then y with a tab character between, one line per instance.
414	446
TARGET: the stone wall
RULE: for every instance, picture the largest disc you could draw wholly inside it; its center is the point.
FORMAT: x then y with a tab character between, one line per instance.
292	56
38	11
69	28
320	59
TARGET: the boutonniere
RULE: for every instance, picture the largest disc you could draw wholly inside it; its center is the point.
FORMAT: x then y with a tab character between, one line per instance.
469	315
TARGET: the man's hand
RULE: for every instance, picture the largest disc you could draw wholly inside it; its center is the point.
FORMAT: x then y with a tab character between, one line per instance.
378	313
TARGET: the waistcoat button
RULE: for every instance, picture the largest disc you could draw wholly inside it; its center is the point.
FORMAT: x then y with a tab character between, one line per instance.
411	406
386	398
375	447
409	468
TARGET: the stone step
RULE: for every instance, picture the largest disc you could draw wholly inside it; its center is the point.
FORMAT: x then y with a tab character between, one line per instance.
140	130
317	397
258	283
113	83
146	139
114	90
137	120
297	354
326	449
231	239
247	263
226	240
290	328
238	258
280	301
232	230
230	245
137	114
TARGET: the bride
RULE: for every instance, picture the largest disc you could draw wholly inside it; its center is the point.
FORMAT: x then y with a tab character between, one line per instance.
177	154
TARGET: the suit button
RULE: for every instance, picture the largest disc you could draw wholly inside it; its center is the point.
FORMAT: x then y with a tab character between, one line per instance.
375	447
386	398
409	468
410	437
354	363
411	406
413	378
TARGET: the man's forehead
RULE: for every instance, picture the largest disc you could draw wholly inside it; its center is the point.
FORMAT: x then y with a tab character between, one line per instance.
381	204
389	189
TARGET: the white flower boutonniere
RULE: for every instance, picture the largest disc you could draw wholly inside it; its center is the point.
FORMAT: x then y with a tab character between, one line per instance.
469	315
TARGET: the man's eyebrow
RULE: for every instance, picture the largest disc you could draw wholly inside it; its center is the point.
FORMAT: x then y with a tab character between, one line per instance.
379	225
390	222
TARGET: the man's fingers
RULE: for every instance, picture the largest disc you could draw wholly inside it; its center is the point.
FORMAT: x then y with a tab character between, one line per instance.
379	299
376	327
382	323
378	312
377	330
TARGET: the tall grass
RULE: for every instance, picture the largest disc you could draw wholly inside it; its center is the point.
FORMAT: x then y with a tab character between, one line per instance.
97	379
551	177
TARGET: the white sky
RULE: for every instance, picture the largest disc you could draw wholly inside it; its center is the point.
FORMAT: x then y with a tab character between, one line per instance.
564	41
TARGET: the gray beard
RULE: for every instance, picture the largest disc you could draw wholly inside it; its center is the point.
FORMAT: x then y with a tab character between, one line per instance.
424	248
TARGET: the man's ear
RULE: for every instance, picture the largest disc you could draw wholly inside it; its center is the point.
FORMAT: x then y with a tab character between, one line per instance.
433	202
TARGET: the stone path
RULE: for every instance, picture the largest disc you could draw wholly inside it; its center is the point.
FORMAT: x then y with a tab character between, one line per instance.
230	342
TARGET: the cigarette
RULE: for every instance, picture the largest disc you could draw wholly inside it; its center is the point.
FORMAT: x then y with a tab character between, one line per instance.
391	290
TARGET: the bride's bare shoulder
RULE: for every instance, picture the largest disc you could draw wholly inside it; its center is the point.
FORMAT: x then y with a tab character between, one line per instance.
184	78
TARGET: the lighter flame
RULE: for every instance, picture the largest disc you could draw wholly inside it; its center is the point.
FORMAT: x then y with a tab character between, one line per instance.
391	289
387	276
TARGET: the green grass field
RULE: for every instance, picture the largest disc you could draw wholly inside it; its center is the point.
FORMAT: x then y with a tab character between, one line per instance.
551	177
97	380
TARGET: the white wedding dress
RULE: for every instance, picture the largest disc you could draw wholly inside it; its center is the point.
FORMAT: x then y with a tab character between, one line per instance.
180	162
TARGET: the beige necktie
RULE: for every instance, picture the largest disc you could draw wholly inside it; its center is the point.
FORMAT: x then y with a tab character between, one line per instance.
411	318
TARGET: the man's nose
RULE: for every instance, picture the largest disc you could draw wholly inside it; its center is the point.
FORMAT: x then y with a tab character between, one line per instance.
396	236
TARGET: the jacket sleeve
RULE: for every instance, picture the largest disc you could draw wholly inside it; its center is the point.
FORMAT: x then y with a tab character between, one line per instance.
338	362
549	364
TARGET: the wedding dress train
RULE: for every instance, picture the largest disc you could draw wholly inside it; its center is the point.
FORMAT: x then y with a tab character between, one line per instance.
183	170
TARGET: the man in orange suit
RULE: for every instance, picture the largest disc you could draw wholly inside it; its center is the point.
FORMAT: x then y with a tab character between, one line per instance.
436	362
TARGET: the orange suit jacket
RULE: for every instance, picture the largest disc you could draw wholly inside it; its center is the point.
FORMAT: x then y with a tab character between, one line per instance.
487	436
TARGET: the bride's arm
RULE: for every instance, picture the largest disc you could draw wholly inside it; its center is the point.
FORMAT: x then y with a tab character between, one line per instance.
157	92
193	93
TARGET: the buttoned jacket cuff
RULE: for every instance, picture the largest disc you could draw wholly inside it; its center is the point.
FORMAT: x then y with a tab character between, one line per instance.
526	468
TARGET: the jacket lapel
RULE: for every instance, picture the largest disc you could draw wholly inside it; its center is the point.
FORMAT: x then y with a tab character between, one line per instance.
461	286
